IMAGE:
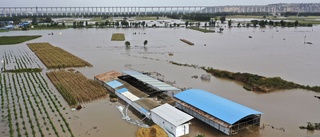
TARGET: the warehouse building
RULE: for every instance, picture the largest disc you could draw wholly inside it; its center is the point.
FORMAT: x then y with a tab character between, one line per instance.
220	113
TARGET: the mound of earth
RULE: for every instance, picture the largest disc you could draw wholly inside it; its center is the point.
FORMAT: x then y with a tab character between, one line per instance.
153	131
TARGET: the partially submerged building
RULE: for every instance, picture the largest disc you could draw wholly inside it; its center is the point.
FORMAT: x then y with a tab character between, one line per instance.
220	113
107	77
146	82
171	119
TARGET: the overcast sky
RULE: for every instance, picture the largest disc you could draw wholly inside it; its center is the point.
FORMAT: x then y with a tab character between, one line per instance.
102	3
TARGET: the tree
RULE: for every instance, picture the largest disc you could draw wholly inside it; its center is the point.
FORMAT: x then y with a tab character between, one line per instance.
283	23
74	24
254	23
145	42
48	19
187	23
223	19
229	23
107	22
127	43
124	23
143	23
117	23
34	21
97	24
296	23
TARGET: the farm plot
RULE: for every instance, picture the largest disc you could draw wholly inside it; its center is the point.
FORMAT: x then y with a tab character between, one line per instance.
117	37
55	57
5	40
76	88
21	60
30	108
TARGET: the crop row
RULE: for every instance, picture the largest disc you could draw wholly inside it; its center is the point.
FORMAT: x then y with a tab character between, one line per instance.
28	105
19	61
55	57
74	87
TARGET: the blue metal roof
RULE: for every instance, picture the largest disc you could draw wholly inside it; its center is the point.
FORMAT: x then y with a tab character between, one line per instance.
219	107
114	84
122	90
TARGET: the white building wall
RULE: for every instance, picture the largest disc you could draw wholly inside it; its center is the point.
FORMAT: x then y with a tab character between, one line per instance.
163	123
182	130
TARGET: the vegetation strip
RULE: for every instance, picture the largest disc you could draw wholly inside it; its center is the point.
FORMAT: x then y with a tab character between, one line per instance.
8	40
24	70
117	37
253	82
311	126
76	88
201	29
55	57
186	41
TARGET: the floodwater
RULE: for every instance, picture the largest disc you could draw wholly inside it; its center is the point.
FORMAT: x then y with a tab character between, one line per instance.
270	52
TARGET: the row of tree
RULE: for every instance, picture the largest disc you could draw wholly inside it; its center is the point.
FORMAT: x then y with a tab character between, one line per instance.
108	23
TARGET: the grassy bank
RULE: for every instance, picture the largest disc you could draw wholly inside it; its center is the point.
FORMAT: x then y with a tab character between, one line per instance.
201	29
7	40
117	37
3	30
254	82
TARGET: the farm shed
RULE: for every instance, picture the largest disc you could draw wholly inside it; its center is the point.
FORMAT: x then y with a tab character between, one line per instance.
220	113
113	85
155	84
171	119
144	105
125	95
108	76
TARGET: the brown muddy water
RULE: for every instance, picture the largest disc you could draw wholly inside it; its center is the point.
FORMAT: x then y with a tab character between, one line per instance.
270	52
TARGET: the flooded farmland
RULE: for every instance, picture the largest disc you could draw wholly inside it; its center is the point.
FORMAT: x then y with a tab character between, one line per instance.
270	52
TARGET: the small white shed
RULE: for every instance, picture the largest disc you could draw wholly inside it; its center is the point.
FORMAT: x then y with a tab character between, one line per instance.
171	119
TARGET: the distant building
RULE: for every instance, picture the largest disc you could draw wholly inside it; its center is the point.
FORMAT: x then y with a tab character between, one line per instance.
227	116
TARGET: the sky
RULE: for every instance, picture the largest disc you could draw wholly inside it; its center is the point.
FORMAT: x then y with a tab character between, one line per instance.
106	3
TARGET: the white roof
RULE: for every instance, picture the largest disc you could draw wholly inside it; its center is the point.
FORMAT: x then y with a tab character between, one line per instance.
130	96
171	114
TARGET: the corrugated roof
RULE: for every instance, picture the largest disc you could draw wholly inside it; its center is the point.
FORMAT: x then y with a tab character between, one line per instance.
171	114
151	81
122	90
216	106
130	96
114	84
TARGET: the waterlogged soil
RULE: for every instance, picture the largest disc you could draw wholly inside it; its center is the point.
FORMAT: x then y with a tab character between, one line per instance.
270	52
